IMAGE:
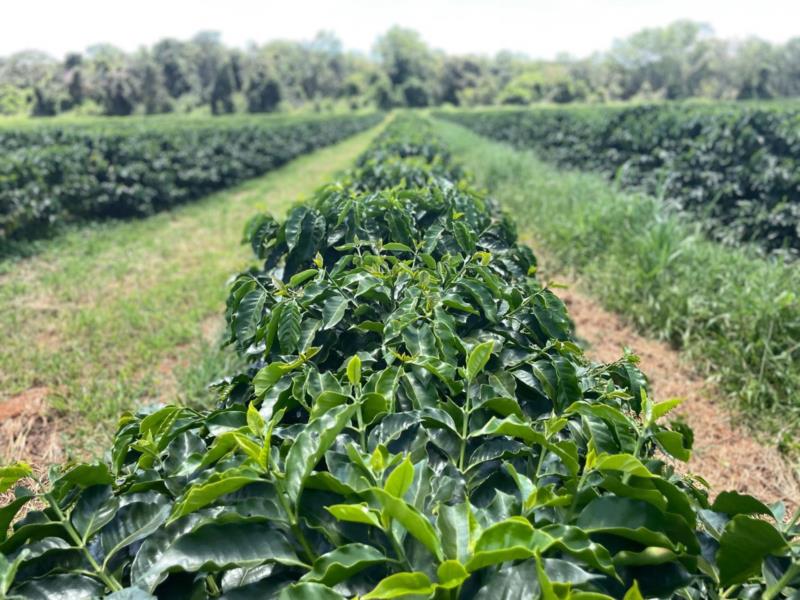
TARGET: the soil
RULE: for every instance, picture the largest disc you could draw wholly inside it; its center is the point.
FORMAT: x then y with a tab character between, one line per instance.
725	454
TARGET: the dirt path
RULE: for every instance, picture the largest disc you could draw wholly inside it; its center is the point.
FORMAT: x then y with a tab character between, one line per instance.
725	453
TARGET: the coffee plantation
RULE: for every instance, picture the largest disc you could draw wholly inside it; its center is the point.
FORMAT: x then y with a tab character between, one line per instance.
52	174
735	166
415	419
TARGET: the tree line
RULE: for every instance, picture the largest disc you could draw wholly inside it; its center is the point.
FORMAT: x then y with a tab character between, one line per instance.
682	60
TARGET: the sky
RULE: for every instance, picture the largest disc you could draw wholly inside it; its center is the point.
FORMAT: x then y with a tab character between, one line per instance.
540	29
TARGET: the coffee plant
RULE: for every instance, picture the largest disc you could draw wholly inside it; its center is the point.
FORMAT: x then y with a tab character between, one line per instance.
415	420
51	174
735	166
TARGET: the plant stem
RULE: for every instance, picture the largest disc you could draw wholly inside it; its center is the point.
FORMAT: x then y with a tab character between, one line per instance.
775	589
464	429
294	523
107	578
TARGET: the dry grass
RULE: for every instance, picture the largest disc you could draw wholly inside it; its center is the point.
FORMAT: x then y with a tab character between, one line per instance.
725	453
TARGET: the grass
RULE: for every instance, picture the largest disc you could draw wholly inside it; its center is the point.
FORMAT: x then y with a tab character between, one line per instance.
112	316
735	315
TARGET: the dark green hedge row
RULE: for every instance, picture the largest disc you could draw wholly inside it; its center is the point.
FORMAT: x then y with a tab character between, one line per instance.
415	420
50	175
736	166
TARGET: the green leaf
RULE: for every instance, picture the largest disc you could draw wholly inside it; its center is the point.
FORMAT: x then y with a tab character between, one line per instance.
248	315
354	370
269	376
636	520
743	546
272	328
396	247
309	447
457	528
301	277
309	591
94	509
478	358
354	513
326	401
130	594
333	310
411	519
624	463
141	516
293	226
483	297
512	539
451	574
662	408
734	503
217	546
400	479
68	585
289	328
633	593
343	562
400	585
8	570
671	442
10	510
255	421
202	494
12	474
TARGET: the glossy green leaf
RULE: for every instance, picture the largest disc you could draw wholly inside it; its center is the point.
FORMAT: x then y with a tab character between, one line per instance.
354	513
411	519
12	474
478	358
744	544
401	585
354	370
311	444
342	563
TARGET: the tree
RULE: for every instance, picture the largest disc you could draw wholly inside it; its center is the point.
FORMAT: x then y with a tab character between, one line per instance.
209	55
154	92
75	87
222	91
118	95
263	92
459	73
45	102
172	58
405	58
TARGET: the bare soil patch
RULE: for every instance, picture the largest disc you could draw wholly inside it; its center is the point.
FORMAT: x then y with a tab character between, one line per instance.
28	429
725	453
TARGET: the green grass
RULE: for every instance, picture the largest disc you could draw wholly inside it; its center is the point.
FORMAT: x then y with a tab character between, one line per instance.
736	316
112	316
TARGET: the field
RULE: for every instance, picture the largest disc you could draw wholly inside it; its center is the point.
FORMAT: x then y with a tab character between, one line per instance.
392	396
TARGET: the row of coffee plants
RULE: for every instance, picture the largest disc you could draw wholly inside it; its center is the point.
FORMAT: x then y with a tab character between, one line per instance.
62	173
737	166
415	421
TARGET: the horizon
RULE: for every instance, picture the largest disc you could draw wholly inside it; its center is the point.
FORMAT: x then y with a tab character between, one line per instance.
537	30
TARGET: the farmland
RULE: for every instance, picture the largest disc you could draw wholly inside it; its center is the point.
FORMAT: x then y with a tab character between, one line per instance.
733	165
657	267
409	413
50	175
148	325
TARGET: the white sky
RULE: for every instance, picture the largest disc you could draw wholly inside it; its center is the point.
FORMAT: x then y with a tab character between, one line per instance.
539	28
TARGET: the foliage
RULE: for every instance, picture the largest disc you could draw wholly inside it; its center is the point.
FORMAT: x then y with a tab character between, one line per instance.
53	174
680	60
738	323
416	420
734	166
